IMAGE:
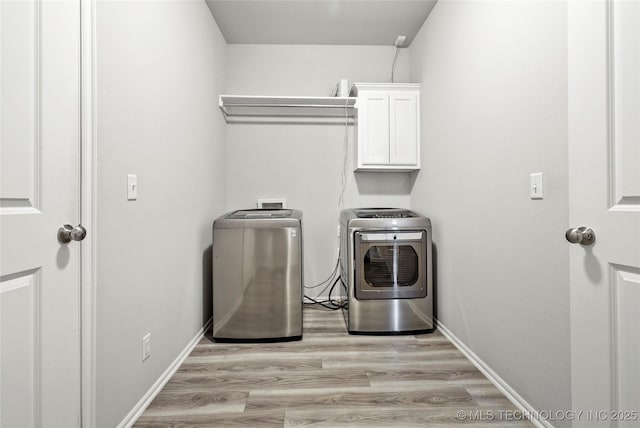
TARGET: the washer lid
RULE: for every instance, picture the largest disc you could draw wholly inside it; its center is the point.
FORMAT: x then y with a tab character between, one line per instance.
260	213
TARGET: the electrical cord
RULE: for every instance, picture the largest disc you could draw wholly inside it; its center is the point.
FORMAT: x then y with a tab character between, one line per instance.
321	292
320	303
345	151
330	282
329	278
393	67
330	303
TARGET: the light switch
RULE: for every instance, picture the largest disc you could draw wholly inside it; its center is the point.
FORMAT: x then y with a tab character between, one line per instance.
536	186
132	187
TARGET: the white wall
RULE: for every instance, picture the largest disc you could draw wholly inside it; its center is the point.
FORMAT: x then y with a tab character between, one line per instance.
160	67
301	162
494	110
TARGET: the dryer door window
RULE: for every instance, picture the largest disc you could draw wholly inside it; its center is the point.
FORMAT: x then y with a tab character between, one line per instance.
390	265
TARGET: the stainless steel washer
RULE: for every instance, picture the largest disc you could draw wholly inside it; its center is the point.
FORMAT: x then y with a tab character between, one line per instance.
257	275
386	270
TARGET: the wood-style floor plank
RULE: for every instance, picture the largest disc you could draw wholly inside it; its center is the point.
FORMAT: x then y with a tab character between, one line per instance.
453	361
303	347
192	403
238	365
245	381
451	376
269	419
448	396
385	417
488	395
329	379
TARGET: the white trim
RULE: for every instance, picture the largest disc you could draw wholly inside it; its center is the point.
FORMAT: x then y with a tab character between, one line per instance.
20	280
611	104
89	181
613	188
36	190
517	400
147	398
373	86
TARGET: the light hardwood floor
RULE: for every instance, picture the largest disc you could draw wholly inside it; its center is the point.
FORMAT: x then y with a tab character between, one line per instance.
330	379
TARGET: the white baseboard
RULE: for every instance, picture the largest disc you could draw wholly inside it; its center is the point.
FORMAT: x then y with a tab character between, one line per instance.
520	403
144	402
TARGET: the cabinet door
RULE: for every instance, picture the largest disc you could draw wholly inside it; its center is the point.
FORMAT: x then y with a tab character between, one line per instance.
403	124
374	128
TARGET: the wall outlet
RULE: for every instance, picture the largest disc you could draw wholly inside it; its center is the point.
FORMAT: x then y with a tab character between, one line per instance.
400	41
146	346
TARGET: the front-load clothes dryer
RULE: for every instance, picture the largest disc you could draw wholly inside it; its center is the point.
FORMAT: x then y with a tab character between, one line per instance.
386	271
257	275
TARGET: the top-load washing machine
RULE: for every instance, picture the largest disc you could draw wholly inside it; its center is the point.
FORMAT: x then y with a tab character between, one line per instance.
257	275
386	270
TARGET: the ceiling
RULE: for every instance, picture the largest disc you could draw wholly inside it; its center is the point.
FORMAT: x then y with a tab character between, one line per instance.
322	22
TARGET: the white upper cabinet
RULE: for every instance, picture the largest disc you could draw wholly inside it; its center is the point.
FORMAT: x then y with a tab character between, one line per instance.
373	127
387	118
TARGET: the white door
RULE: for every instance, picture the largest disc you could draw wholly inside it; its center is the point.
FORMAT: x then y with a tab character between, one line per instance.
373	128
604	180
39	191
404	137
